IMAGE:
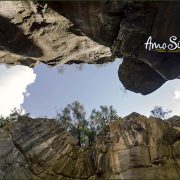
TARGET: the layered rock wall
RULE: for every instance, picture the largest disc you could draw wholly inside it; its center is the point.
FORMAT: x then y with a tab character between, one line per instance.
135	147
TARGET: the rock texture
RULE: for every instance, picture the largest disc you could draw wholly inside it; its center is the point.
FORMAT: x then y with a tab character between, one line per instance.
93	32
31	32
136	147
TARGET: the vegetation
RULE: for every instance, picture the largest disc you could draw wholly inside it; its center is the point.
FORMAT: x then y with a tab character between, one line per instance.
159	112
99	119
86	130
15	113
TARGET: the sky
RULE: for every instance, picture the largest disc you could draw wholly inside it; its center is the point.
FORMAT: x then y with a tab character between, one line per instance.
43	91
13	86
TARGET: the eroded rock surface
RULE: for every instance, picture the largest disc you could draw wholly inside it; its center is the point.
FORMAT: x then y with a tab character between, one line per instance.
136	147
93	32
31	32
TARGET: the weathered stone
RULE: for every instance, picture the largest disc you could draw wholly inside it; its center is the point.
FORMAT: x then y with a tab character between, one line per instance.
93	32
138	76
136	147
31	32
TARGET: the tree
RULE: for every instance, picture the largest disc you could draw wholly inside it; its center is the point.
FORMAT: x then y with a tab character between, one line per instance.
13	116
158	112
73	117
3	121
99	119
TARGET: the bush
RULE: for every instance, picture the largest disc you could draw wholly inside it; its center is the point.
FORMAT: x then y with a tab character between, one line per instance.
13	116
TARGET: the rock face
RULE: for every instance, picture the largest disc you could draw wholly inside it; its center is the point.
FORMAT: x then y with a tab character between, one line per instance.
136	147
32	32
94	32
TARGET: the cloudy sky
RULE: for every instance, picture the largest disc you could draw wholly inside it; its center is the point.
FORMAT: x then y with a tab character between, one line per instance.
42	91
13	86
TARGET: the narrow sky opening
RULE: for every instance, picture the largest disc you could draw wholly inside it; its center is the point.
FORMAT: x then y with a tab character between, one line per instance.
93	86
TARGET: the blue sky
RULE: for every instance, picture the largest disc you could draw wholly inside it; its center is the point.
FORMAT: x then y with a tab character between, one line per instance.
42	90
93	87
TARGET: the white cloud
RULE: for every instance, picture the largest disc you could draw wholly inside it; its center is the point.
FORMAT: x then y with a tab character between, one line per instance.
13	86
177	93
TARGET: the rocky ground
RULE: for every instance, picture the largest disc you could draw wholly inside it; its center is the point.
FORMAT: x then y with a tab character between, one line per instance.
136	147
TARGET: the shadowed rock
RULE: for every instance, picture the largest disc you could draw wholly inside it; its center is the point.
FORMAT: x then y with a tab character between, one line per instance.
14	40
96	19
59	39
160	21
139	77
94	32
